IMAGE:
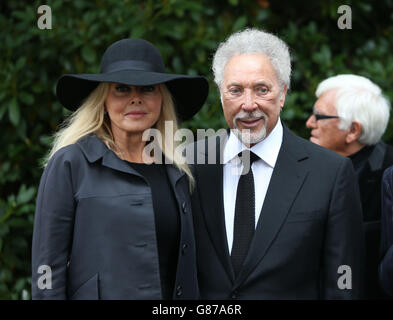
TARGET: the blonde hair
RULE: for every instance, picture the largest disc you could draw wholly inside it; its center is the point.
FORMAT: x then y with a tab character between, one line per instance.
90	118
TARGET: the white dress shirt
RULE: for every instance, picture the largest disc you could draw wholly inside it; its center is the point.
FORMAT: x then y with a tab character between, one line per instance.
267	150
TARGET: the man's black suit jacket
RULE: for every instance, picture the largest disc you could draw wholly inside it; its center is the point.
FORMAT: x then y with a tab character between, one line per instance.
370	179
308	233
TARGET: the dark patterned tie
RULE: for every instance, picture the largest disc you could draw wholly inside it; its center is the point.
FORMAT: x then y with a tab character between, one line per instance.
244	224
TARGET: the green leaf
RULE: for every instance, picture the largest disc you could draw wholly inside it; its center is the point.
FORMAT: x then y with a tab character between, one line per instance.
5	275
19	223
19	14
88	54
4	230
240	23
3	109
20	63
19	285
177	64
2	95
13	112
138	31
26	98
25	195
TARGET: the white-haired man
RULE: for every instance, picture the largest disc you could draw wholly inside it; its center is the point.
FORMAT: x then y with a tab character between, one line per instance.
289	226
350	117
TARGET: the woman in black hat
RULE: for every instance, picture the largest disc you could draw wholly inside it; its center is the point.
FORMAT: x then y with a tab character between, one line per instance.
107	225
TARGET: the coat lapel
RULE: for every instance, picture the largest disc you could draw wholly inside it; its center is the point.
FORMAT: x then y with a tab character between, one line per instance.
174	175
286	181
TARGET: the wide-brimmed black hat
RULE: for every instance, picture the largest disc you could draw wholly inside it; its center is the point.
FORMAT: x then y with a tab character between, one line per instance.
135	62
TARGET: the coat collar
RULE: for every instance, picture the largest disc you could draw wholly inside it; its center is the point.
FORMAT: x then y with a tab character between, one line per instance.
92	147
370	177
377	156
95	149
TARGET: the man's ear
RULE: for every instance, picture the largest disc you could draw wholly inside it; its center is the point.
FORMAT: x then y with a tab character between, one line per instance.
355	130
283	95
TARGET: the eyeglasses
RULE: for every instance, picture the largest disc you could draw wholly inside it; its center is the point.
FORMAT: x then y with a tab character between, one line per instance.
323	116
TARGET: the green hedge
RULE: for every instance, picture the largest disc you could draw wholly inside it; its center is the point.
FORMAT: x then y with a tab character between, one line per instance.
187	33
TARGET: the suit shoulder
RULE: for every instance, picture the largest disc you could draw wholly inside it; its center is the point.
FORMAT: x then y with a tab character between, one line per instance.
319	153
219	137
208	145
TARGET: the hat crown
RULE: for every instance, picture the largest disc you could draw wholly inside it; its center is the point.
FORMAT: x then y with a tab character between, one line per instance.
132	54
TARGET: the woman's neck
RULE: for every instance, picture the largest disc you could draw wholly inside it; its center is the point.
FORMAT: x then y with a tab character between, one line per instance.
129	146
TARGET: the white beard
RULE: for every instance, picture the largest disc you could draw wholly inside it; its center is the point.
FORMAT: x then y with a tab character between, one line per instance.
245	135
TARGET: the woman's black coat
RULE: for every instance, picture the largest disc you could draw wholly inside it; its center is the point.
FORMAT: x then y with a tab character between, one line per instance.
94	232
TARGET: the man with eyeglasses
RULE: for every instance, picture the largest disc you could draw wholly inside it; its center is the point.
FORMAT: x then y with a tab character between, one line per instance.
350	117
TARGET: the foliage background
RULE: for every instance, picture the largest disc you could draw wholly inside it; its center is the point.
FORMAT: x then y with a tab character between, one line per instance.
187	33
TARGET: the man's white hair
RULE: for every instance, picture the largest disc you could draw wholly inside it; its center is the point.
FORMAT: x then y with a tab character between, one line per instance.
359	99
254	41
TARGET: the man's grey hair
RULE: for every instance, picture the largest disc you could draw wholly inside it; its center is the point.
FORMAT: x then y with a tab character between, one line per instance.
254	41
359	99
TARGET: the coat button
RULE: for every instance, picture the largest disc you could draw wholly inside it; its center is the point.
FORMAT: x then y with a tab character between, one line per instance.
184	248
184	207
179	291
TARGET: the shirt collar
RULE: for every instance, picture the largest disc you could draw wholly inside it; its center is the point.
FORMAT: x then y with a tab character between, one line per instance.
267	149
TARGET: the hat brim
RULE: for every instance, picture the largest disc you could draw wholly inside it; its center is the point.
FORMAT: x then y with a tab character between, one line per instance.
189	92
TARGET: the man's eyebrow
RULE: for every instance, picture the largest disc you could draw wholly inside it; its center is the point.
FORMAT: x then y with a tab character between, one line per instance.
237	84
263	83
258	83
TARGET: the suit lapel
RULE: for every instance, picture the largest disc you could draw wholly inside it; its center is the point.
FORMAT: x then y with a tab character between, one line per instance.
286	181
210	189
